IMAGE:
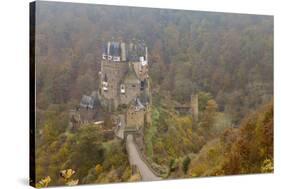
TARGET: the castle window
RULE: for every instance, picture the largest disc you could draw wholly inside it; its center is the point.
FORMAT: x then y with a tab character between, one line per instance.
142	85
105	86
122	89
105	83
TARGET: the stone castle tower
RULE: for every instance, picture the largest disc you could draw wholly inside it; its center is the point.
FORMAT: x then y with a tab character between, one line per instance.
194	106
124	74
124	86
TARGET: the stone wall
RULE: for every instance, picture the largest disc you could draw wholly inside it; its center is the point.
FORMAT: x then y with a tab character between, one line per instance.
114	73
134	119
132	90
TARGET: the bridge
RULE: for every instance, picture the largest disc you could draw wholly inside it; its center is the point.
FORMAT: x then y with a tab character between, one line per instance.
135	156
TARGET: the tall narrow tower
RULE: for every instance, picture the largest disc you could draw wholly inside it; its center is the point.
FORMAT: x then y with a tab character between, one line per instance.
194	107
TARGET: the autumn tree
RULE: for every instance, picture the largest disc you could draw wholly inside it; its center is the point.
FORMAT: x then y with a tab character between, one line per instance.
209	114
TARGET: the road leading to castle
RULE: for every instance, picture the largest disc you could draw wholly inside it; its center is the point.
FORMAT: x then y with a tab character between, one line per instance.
135	159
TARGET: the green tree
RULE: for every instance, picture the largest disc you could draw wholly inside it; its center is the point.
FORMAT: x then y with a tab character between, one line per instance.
87	150
185	164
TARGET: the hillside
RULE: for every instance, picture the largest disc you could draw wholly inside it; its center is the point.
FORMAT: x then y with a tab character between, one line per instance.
246	150
226	59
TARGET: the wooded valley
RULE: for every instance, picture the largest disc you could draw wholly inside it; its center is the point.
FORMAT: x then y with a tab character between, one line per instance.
227	59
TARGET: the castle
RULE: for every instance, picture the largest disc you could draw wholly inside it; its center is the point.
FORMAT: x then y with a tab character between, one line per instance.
124	93
124	87
124	81
124	74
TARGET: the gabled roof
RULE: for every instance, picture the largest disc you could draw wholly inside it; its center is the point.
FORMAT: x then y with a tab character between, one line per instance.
131	76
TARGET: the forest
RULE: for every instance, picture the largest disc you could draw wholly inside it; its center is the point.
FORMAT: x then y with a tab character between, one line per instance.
227	59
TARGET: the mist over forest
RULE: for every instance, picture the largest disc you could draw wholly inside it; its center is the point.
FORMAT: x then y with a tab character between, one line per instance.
227	59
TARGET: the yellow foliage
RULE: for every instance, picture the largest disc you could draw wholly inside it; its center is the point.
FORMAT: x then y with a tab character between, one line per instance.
127	173
72	182
98	169
198	170
267	166
66	174
43	182
135	177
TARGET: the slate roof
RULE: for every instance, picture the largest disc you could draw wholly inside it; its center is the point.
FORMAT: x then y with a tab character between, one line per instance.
134	50
89	101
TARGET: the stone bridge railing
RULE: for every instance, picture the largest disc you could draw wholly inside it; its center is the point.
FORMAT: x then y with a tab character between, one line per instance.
141	155
134	131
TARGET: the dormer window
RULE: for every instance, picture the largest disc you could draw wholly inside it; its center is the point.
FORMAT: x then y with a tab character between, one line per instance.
122	89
